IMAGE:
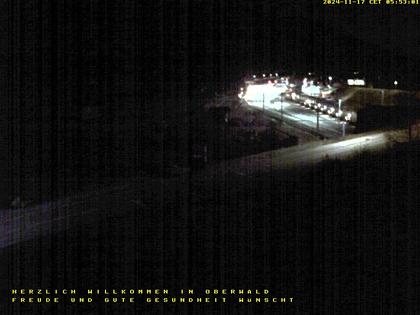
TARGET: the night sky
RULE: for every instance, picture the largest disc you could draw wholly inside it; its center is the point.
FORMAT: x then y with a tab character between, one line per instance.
176	46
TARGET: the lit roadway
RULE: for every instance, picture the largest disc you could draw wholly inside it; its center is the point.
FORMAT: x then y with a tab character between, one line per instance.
309	154
296	115
17	225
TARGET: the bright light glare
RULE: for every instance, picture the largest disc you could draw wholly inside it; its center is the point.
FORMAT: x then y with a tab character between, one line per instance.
267	94
359	82
310	89
361	140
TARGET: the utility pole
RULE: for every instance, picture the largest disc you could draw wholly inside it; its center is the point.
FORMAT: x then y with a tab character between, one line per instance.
317	121
263	102
409	130
281	103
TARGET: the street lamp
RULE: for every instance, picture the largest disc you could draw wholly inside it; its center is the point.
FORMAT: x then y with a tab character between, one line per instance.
281	104
317	120
395	82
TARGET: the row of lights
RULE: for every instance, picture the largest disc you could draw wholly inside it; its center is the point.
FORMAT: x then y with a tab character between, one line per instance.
324	108
361	82
330	78
264	75
354	81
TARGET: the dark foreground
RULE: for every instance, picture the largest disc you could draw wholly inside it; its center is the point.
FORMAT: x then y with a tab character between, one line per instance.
340	238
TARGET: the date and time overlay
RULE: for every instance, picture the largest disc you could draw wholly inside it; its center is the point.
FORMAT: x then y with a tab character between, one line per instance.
373	2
